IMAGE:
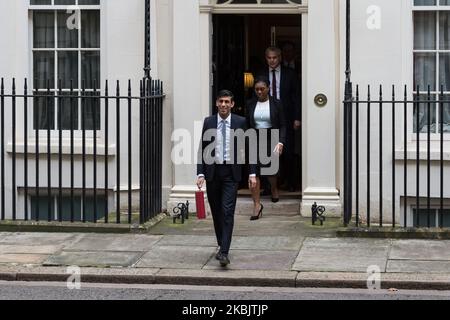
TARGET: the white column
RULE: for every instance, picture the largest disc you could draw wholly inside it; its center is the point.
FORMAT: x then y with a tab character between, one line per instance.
162	42
191	89
320	127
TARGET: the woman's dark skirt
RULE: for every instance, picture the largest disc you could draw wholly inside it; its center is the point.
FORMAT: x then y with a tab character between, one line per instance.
265	147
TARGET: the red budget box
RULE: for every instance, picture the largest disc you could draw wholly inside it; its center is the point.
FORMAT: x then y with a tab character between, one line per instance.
200	204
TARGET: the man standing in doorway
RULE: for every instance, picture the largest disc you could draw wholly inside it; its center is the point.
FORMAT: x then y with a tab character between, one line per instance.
284	86
224	172
290	59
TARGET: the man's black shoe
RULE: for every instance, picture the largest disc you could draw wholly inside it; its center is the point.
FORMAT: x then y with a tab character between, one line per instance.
224	261
218	254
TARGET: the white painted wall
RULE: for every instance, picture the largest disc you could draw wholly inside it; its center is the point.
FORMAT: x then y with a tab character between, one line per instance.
319	125
180	57
122	58
187	91
14	63
384	56
163	37
378	56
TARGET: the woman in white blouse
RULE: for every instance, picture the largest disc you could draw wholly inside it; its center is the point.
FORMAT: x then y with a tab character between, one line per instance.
265	114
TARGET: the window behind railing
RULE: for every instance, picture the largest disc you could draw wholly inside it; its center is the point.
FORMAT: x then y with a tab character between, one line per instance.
66	53
79	179
437	218
432	60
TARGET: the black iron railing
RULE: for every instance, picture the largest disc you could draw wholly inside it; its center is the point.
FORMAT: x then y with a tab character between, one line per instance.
376	122
72	134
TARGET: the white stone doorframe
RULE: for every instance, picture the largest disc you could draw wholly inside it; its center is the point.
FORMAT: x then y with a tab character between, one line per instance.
327	194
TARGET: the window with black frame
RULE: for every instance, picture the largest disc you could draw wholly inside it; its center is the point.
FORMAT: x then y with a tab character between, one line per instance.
432	61
66	51
437	218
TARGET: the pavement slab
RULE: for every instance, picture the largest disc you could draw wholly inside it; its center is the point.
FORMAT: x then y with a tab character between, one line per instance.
42	239
414	266
238	242
267	226
277	251
267	243
93	259
176	257
188	241
420	250
36	249
257	260
113	242
21	259
342	255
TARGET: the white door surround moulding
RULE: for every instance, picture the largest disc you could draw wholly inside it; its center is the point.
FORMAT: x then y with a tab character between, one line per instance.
327	197
183	190
252	9
321	193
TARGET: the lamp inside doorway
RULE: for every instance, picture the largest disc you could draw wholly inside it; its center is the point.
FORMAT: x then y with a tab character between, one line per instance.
249	80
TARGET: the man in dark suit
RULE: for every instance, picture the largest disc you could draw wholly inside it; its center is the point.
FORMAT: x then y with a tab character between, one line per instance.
290	58
220	165
284	86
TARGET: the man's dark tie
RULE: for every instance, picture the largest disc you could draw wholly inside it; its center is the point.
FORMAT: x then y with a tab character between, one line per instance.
224	140
274	84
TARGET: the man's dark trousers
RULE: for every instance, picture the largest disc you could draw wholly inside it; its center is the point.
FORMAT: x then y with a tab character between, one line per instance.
222	194
222	181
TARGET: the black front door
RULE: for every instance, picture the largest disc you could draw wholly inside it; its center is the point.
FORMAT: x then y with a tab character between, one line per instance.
229	58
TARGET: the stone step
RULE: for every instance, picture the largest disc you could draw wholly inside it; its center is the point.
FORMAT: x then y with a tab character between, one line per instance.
285	207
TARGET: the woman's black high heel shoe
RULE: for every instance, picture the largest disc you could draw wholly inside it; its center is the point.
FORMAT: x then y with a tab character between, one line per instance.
253	218
277	199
